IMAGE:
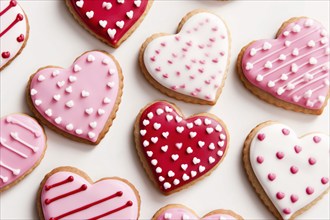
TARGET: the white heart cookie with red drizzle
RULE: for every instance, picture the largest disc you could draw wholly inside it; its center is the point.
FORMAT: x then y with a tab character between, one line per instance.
289	174
181	212
291	71
79	102
14	31
177	152
111	21
22	147
191	65
68	193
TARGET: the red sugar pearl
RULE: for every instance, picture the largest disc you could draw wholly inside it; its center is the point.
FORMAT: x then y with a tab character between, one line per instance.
286	211
324	180
260	159
280	195
294	169
261	137
294	198
272	176
309	190
312	161
280	155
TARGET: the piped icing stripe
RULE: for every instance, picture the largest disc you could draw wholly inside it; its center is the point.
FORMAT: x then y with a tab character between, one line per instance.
294	67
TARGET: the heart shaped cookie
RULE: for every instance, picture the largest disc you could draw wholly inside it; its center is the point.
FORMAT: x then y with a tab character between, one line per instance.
176	211
177	152
289	174
68	193
22	147
79	102
191	65
111	21
14	31
291	71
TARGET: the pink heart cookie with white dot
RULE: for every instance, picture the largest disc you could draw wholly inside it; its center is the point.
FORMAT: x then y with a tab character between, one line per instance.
79	102
14	31
180	212
289	174
111	21
191	65
22	147
291	71
69	193
177	152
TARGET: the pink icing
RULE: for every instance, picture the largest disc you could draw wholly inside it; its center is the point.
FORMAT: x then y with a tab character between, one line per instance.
80	102
105	196
294	67
185	214
22	143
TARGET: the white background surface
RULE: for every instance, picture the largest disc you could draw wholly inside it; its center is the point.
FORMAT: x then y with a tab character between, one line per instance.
57	39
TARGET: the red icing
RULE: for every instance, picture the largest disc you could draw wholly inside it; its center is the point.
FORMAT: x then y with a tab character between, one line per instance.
12	3
69	179
82	188
294	169
118	194
171	149
20	38
117	12
309	190
19	18
260	159
271	176
316	139
5	54
128	204
280	195
294	198
261	137
280	155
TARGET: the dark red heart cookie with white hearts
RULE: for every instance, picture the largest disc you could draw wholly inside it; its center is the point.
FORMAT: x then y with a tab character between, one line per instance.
111	21
177	152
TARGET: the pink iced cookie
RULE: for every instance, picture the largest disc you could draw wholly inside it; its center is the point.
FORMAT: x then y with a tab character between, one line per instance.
22	147
79	102
14	31
180	212
292	172
68	193
192	64
291	71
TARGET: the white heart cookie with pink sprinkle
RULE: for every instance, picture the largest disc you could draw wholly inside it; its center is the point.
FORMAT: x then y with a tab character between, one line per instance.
79	102
289	174
192	64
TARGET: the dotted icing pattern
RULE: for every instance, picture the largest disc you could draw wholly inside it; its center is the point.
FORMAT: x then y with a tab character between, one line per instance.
110	19
192	62
13	30
292	171
68	195
78	100
294	67
22	143
179	150
185	214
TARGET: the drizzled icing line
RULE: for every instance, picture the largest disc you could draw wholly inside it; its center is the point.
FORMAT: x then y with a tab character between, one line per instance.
294	67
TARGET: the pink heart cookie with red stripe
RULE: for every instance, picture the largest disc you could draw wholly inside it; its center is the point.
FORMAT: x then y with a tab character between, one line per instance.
289	174
79	102
176	211
14	31
68	193
111	21
191	65
291	71
175	151
22	147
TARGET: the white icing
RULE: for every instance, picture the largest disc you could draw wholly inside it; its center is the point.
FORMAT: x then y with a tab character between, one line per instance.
286	182
196	39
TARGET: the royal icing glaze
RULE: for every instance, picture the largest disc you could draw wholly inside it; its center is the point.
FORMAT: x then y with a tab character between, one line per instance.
66	195
13	30
111	19
292	171
22	144
177	150
194	61
184	214
87	90
294	67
